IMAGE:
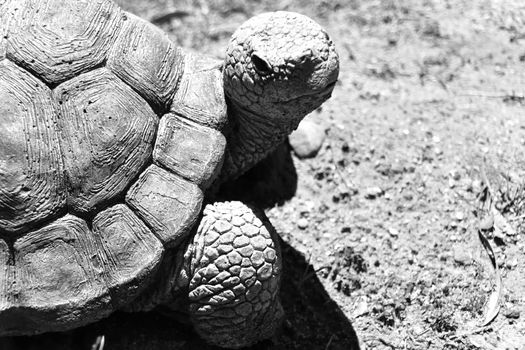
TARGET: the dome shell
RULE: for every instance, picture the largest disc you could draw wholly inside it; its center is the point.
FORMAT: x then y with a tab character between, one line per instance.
109	136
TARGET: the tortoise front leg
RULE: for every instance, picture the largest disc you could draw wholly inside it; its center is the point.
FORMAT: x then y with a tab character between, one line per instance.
234	276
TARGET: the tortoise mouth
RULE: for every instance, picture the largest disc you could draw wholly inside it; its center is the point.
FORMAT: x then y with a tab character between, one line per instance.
328	88
325	92
331	85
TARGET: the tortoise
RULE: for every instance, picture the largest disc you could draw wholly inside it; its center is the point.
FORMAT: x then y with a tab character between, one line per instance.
111	141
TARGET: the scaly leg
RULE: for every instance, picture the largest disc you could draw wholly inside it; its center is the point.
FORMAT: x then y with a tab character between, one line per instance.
234	276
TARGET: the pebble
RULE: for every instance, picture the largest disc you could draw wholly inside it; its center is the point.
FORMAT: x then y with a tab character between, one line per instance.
487	223
360	307
393	232
460	216
373	192
461	256
302	223
307	139
512	263
512	313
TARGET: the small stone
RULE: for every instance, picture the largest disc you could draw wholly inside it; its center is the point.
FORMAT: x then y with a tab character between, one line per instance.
512	263
512	313
393	232
461	256
487	223
373	192
459	216
302	223
452	225
307	139
360	308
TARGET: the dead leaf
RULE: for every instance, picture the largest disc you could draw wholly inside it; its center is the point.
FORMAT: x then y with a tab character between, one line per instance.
492	306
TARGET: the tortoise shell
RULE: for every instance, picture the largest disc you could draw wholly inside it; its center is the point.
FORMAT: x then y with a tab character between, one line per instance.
109	136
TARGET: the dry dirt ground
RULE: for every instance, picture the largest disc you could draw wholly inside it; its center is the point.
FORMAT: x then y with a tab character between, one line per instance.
425	140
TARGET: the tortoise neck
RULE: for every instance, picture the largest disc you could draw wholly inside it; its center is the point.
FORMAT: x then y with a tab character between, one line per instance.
251	136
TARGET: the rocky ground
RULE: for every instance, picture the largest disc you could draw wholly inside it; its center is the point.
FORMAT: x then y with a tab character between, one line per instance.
423	146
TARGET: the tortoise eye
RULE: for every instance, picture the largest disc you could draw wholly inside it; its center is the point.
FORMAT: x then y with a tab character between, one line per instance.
260	64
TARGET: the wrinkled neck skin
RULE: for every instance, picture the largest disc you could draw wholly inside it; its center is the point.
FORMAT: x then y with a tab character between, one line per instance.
251	137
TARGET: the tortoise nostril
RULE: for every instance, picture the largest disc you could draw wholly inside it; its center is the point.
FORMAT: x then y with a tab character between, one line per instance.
260	64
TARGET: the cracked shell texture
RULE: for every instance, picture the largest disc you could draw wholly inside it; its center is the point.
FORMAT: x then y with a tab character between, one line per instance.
58	39
83	86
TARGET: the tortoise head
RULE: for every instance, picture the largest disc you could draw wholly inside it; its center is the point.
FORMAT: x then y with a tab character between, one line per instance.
280	65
